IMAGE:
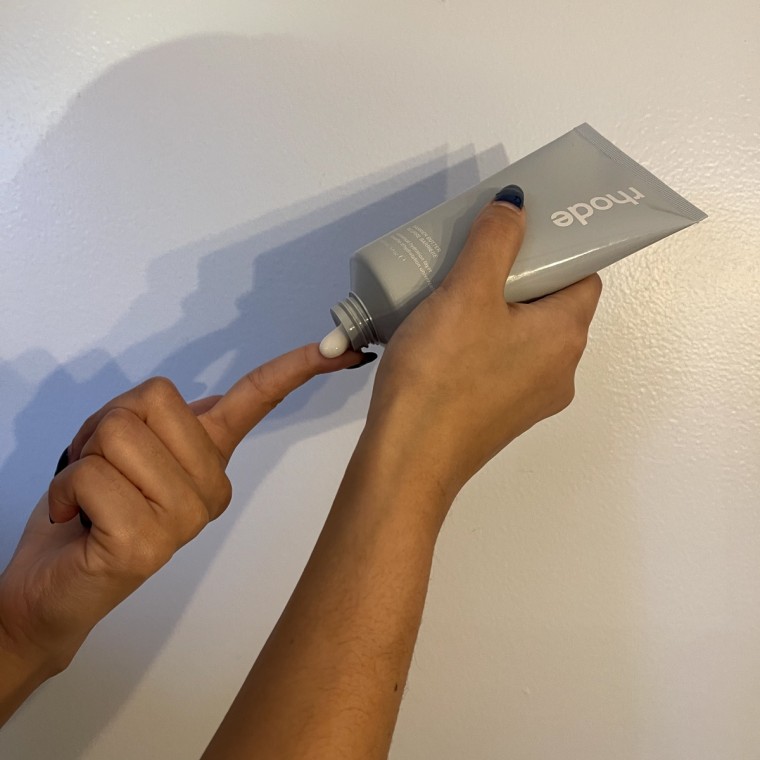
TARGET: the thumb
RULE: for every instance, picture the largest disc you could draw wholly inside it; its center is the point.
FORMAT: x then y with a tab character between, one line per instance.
492	246
252	397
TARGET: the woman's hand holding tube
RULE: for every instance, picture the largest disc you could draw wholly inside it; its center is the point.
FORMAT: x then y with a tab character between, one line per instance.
467	373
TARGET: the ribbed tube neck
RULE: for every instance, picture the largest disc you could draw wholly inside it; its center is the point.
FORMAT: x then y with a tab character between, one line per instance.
352	315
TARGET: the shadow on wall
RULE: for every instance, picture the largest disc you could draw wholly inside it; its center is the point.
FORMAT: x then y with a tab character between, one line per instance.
282	272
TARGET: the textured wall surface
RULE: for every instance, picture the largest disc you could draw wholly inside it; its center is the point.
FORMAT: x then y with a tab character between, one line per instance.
181	187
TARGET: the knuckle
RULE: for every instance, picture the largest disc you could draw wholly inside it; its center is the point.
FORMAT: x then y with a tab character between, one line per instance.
159	391
306	357
92	471
197	518
115	424
264	382
564	396
89	473
56	493
578	339
571	336
215	488
569	394
223	494
565	401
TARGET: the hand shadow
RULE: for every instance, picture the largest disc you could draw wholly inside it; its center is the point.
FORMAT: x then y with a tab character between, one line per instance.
262	287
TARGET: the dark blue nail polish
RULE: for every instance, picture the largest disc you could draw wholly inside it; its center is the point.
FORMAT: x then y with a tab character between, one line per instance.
367	358
63	462
511	194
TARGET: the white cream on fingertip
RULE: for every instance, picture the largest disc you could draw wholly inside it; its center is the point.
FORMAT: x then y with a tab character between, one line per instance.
334	344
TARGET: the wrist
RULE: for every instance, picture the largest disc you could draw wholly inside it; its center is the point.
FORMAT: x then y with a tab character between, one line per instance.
23	670
27	660
403	463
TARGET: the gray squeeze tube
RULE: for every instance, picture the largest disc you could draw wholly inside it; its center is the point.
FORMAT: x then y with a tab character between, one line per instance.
590	205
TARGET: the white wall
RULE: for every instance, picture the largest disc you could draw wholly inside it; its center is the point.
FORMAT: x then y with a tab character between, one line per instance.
182	186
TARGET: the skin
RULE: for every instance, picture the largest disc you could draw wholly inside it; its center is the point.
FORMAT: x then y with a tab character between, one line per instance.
456	384
149	471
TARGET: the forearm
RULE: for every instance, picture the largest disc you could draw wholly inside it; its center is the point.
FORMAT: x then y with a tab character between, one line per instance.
19	676
30	654
329	680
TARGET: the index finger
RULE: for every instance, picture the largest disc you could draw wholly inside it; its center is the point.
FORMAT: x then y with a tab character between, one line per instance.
252	397
580	299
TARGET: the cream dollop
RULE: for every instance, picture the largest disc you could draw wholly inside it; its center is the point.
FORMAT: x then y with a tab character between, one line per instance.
334	344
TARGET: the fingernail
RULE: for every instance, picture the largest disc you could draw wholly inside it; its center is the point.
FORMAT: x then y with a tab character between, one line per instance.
367	358
510	194
63	462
